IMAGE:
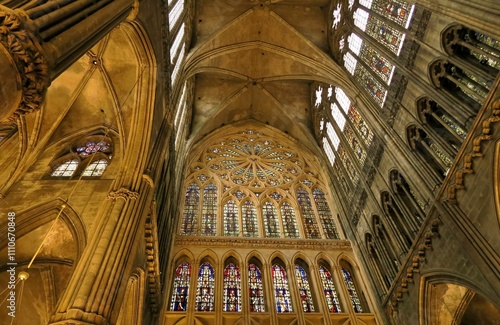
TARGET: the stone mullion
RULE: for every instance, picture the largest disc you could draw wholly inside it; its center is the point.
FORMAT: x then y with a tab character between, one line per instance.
90	297
385	258
438	160
395	231
433	175
383	261
378	272
393	256
446	126
401	216
406	216
46	39
414	202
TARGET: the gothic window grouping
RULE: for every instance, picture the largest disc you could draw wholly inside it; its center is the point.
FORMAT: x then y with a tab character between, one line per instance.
237	179
233	295
86	158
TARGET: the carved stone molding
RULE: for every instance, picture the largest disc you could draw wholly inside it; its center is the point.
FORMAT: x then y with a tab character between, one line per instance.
262	243
414	264
153	270
123	193
31	64
476	152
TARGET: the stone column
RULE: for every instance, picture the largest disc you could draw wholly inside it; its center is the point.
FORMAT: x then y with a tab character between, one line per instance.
40	39
91	294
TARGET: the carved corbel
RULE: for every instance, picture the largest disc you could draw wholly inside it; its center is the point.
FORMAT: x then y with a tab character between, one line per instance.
123	193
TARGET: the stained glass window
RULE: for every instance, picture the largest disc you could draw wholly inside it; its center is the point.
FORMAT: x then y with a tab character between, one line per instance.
308	218
332	135
329	151
249	219
255	288
92	147
329	289
361	126
281	290
205	289
95	168
270	215
379	64
231	219
289	221
191	201
351	289
232	288
66	169
398	11
209	212
357	148
304	290
349	166
325	215
180	291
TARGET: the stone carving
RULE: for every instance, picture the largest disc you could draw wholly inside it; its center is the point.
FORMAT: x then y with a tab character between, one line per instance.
415	263
153	272
124	194
476	151
31	64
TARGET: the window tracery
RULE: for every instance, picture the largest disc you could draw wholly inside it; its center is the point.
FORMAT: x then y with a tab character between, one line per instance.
351	290
180	291
87	158
249	171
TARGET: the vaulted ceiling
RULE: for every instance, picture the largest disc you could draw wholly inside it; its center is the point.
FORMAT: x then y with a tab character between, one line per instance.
257	60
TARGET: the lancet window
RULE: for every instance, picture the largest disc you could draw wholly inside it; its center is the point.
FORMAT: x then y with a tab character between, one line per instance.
205	290
178	32
231	219
249	213
255	288
209	211
308	220
351	290
281	289
180	291
271	224
232	288
304	289
325	215
289	221
331	297
86	158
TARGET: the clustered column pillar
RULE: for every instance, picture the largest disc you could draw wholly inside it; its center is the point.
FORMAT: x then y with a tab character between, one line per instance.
40	39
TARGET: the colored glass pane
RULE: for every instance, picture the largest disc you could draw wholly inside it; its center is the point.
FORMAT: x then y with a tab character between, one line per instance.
205	288
66	169
249	219
92	147
355	145
304	290
351	290
209	211
360	126
95	168
289	221
386	35
447	161
396	10
379	64
325	215
308	218
281	290
190	220
331	297
231	219
255	288
348	165
374	88
270	215
180	291
232	288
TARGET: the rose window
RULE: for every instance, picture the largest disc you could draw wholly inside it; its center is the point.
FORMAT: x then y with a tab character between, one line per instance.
250	159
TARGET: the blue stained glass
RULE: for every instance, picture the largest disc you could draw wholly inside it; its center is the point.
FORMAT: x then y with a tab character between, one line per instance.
189	222
351	289
329	289
205	289
232	288
281	290
304	290
180	292
256	290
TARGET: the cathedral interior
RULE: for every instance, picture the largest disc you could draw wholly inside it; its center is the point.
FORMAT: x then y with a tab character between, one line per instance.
264	162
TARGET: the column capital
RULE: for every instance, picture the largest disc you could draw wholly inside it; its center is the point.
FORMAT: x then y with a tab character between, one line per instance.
22	65
123	193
